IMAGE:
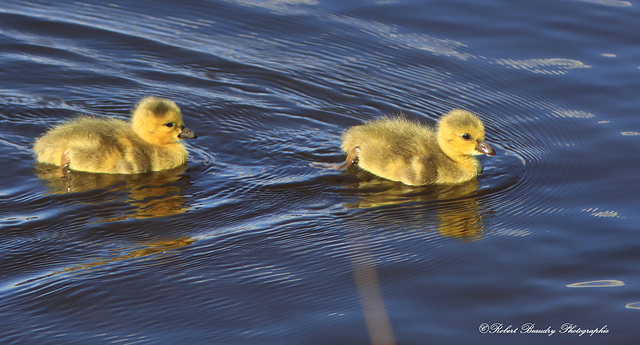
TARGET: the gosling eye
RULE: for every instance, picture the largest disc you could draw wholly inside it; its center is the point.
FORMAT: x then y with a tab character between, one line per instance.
170	124
466	136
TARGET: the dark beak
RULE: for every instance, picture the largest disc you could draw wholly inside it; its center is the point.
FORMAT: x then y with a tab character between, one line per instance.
485	148
187	134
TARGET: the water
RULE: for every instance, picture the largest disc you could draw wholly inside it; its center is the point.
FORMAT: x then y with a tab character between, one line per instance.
253	244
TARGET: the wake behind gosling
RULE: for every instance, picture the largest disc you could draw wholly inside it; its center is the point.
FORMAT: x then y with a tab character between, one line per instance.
406	151
150	141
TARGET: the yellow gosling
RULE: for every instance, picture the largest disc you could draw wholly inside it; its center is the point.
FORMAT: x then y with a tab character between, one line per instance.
151	141
401	150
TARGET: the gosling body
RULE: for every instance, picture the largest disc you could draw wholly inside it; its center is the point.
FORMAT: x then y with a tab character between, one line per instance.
399	149
151	141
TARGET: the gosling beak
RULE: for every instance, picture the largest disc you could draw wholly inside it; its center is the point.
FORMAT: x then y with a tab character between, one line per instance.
187	134
483	147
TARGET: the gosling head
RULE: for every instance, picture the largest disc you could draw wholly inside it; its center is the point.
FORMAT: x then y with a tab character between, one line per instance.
461	133
159	121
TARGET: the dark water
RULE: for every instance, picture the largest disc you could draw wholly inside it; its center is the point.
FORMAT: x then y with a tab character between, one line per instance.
251	244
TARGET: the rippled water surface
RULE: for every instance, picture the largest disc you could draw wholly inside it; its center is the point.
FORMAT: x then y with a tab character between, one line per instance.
253	243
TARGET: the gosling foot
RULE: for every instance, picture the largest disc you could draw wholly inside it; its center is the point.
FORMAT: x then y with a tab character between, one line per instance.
65	170
352	159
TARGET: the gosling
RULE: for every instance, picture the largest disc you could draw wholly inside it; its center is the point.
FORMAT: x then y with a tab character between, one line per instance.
151	141
401	150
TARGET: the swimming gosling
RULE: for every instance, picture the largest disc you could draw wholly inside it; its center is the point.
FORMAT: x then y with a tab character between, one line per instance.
401	150
151	141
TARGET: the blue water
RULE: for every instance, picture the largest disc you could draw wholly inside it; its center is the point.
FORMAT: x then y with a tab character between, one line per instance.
252	243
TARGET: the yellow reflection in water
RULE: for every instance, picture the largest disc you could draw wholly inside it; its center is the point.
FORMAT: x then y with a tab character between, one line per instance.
457	211
152	195
149	249
457	215
145	251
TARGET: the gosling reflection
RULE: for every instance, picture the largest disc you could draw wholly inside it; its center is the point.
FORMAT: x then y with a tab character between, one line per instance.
153	194
457	212
457	215
146	252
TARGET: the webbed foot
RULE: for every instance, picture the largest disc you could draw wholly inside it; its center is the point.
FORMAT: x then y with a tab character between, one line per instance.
352	159
65	170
